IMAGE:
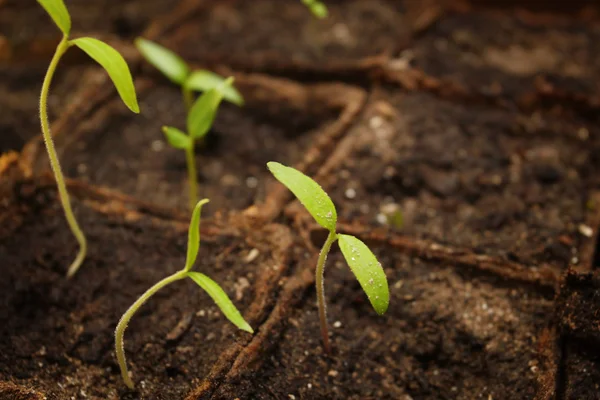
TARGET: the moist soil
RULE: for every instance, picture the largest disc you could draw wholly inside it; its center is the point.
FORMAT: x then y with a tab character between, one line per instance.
448	334
505	58
27	32
115	148
476	129
265	33
493	181
57	334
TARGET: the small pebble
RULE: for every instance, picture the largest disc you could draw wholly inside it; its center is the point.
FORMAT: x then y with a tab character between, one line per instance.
350	193
337	324
158	145
332	373
585	230
251	182
252	255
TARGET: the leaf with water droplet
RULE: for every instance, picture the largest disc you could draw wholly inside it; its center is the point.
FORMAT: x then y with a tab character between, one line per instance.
310	194
368	271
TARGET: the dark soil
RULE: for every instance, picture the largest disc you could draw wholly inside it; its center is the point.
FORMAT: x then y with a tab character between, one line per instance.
19	100
503	57
266	33
448	334
129	152
474	125
28	30
493	181
58	333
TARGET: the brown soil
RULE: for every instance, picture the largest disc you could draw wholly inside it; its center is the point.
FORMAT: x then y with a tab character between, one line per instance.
279	121
497	182
63	338
355	30
478	122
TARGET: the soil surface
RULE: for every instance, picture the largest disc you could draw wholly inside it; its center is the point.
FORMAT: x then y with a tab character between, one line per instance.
129	152
460	140
58	333
494	181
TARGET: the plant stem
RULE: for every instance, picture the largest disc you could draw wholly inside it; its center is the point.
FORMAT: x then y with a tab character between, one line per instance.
188	98
332	237
54	163
122	325
192	176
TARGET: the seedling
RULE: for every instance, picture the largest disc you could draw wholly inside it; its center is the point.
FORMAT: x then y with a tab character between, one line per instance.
318	9
180	73
117	69
200	113
360	259
209	286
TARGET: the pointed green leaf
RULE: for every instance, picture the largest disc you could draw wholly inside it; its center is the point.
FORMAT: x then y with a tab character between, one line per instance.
59	14
221	299
318	9
368	271
176	138
203	112
115	65
203	80
166	61
194	236
310	194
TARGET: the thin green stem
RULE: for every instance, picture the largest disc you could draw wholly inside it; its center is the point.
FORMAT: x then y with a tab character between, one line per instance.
54	163
188	98
331	238
192	176
122	325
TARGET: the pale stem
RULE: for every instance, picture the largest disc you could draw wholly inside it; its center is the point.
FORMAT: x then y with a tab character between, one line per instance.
124	321
192	176
319	281
54	163
188	98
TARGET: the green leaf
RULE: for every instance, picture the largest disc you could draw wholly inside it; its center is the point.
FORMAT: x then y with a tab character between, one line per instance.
202	80
203	112
166	61
194	236
368	271
176	138
318	9
115	65
59	14
221	299
310	194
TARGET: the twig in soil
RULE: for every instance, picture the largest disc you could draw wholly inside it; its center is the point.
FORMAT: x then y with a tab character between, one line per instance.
200	113
362	261
211	287
117	69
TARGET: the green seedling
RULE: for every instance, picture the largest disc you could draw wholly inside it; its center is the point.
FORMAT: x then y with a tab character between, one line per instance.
201	112
318	9
211	287
117	69
362	261
180	73
199	121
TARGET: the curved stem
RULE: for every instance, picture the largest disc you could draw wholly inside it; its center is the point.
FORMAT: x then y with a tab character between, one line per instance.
332	237
192	175
122	325
54	163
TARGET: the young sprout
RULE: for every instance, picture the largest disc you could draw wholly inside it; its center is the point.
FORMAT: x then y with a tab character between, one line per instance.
180	73
362	261
118	71
211	287
199	120
201	113
318	9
